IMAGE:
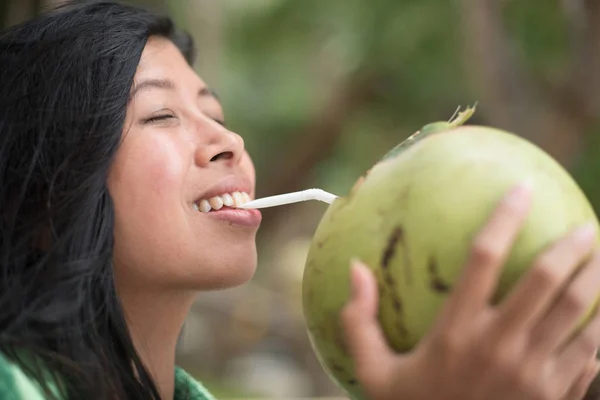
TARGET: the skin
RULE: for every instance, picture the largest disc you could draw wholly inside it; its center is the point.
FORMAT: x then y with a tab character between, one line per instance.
166	252
520	349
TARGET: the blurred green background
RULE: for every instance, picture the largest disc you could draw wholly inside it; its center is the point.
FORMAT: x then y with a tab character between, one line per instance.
320	89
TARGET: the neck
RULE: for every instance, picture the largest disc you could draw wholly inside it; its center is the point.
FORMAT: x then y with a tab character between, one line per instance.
155	320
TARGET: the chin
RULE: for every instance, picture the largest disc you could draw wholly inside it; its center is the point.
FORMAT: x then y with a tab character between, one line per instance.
242	277
225	274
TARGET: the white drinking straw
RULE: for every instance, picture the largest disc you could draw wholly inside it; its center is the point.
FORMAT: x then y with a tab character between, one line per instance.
288	198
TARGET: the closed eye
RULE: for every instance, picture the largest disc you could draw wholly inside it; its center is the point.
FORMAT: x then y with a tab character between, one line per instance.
158	118
164	117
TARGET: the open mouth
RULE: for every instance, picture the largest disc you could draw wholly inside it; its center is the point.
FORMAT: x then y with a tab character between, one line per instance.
223	201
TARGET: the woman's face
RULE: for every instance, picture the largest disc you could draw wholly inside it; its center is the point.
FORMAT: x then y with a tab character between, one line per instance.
176	160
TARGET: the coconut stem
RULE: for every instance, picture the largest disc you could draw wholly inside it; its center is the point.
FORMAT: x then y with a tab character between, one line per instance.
463	116
457	119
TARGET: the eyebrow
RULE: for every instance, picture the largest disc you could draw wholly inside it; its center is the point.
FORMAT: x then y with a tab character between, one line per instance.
166	84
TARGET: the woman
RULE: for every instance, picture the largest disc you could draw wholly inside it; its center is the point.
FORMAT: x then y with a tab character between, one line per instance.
112	150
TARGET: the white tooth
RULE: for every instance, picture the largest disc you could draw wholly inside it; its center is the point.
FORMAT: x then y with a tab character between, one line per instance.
216	203
246	197
227	200
195	205
205	206
238	199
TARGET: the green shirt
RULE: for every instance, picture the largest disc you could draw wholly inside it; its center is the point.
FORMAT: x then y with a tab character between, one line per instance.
15	385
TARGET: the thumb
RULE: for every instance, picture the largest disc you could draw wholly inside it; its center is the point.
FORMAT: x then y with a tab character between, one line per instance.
364	337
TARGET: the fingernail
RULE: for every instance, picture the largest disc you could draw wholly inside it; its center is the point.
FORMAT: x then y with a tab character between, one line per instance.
355	271
586	231
520	194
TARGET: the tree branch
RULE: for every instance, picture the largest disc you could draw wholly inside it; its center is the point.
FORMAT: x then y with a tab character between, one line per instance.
316	141
571	107
502	86
583	76
554	119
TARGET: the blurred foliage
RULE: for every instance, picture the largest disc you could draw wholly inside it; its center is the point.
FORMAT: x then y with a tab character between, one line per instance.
282	64
282	59
277	63
283	67
321	89
587	169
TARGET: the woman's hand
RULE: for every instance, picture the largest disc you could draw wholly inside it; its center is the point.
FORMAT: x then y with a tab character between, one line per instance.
518	350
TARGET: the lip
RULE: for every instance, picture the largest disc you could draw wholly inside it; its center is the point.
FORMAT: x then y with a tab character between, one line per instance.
230	184
250	218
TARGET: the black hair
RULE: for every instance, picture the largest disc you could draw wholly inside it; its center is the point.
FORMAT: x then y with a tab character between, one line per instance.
65	83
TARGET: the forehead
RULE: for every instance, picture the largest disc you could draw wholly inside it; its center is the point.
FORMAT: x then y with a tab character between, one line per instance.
162	59
163	66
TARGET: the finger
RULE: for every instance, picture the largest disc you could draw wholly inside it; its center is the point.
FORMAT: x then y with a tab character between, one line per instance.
578	350
533	293
585	387
364	338
489	252
573	302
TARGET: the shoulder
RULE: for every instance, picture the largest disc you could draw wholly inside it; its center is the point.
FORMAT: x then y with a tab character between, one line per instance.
186	387
15	385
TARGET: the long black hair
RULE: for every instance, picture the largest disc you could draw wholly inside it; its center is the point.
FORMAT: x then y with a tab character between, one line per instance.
65	82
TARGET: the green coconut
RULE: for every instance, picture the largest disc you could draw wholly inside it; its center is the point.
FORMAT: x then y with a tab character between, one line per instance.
412	218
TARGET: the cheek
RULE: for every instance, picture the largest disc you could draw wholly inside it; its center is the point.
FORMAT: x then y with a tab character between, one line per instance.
148	174
248	167
146	183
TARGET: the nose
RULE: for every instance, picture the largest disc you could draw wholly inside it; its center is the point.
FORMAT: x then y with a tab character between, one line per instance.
221	146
